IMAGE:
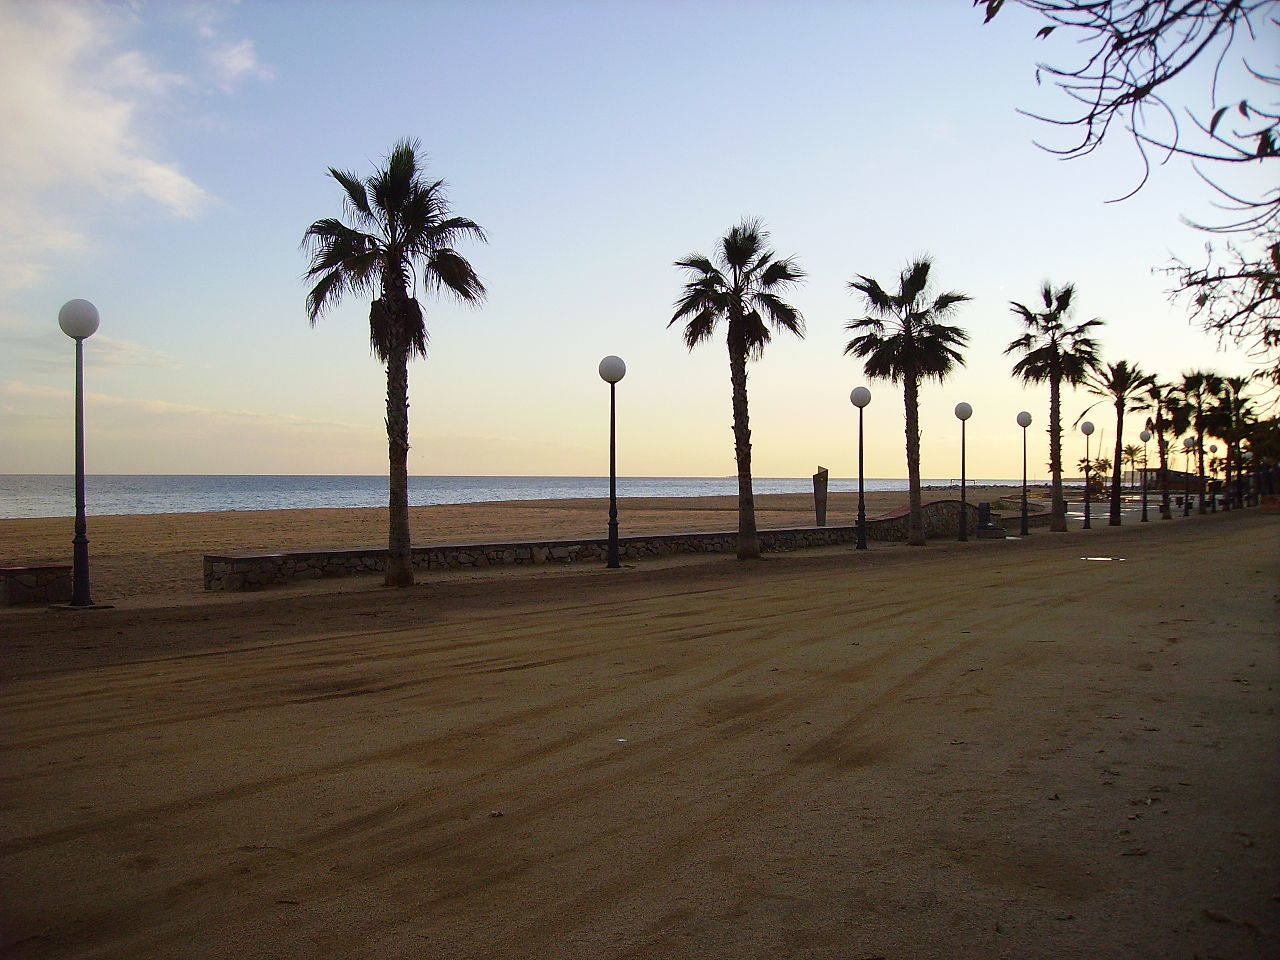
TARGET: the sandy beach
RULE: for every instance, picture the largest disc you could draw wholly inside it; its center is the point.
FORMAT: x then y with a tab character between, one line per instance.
156	558
996	749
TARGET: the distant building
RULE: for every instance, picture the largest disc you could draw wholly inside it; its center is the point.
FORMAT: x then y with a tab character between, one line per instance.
1158	478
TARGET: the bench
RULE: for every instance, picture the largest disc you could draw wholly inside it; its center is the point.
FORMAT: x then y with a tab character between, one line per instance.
36	584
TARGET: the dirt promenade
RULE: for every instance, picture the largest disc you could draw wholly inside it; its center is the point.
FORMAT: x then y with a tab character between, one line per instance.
996	749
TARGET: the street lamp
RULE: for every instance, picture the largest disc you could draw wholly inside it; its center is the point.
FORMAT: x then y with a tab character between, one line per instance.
1188	444
1213	494
1024	421
79	320
860	397
963	413
1087	429
612	369
1247	459
1145	437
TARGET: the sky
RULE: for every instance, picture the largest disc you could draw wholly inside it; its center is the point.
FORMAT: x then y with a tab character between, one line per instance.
163	160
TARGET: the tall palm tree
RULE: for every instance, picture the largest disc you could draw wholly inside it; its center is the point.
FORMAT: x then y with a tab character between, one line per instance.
1160	424
403	229
1230	417
1125	387
905	341
1179	423
742	286
1054	352
1131	454
1195	393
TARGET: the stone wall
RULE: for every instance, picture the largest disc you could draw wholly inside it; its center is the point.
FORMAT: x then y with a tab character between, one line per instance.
1010	510
250	571
48	584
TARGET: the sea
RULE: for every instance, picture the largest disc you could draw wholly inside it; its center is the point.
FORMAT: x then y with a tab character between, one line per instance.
52	495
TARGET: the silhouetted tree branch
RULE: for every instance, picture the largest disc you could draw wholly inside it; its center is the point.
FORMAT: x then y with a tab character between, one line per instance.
1133	50
1236	294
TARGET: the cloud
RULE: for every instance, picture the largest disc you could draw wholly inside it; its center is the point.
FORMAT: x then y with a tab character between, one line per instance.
76	112
229	61
25	399
49	349
69	114
234	62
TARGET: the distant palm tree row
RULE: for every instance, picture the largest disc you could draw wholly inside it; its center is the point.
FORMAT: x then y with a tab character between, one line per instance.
904	339
405	234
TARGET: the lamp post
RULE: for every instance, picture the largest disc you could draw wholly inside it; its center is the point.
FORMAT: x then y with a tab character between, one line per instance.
1145	437
1087	429
1247	459
963	413
1213	493
1239	497
612	369
79	320
1024	421
1188	444
860	397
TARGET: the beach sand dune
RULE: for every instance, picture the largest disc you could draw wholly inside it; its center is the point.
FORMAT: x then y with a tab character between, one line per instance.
982	750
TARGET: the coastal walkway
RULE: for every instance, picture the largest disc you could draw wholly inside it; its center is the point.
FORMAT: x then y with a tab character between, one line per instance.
954	752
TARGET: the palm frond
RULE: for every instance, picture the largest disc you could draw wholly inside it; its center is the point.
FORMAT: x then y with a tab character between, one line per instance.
1023	342
869	324
743	243
332	244
449	270
410	226
780	313
946	302
1026	314
323	295
393	330
751	331
904	339
356	194
395	183
700	327
875	295
914	279
779	272
699	264
740	288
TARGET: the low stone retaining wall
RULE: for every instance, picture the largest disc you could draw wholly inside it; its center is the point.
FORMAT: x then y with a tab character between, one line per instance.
1010	510
47	584
251	571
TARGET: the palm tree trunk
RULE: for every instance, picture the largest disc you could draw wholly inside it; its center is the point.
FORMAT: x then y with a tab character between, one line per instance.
915	520
1058	517
748	539
1114	519
1227	473
399	568
1165	512
1200	507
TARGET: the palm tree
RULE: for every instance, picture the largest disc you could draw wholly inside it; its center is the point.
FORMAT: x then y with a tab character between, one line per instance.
912	346
741	287
1125	387
1196	391
1230	417
403	230
1055	353
1160	424
1132	452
